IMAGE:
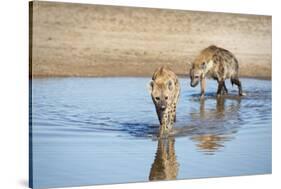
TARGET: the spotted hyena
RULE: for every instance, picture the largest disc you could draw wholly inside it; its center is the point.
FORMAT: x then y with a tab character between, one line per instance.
165	89
217	63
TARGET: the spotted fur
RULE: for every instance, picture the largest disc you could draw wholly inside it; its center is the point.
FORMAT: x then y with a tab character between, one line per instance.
217	63
165	89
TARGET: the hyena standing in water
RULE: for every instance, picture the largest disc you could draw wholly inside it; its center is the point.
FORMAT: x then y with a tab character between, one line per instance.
216	63
165	89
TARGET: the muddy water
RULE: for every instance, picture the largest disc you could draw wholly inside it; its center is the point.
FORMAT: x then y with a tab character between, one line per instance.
89	131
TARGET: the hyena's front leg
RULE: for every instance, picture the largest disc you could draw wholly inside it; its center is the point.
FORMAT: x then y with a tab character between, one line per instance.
220	87
162	130
203	87
175	105
174	113
164	123
172	118
167	122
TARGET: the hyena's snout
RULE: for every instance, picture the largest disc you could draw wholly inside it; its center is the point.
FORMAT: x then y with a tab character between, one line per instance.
162	105
194	78
194	82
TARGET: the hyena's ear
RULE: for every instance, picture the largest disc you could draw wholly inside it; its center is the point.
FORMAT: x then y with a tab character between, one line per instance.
170	85
150	86
203	65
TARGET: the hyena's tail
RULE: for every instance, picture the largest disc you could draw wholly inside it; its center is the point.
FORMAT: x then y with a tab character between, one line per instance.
234	77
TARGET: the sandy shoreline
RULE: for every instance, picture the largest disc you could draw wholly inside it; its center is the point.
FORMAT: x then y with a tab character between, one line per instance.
259	72
129	76
76	40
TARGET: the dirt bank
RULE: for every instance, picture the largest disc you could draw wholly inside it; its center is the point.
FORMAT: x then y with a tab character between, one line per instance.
89	40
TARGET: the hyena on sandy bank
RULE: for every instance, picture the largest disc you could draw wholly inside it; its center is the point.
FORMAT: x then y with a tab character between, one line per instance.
219	64
165	89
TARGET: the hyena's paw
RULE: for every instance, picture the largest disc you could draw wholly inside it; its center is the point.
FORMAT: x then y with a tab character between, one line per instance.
224	92
163	134
165	130
219	95
242	94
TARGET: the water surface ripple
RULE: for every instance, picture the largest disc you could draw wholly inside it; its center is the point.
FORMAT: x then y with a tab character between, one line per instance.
103	130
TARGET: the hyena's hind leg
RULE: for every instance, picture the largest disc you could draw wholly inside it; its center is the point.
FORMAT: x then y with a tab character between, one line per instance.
225	91
221	87
236	81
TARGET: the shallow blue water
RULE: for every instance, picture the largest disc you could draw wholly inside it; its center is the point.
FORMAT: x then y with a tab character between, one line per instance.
89	131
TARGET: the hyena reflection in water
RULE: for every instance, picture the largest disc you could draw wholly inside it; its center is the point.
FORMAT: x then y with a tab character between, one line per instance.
165	89
165	165
219	64
216	126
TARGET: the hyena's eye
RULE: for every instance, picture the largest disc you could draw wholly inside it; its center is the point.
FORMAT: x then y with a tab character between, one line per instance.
157	98
166	97
196	77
